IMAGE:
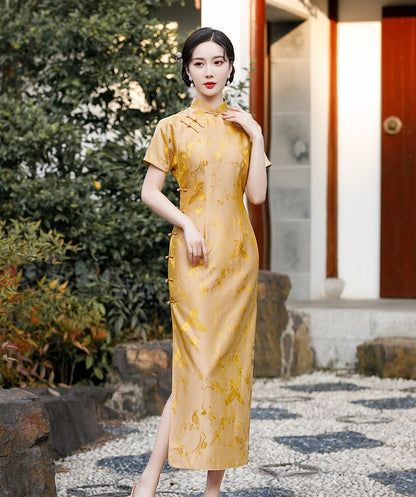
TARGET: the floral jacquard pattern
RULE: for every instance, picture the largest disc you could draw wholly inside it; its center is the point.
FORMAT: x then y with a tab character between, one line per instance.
213	307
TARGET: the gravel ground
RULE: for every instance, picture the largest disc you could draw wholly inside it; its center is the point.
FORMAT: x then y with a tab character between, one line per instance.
318	435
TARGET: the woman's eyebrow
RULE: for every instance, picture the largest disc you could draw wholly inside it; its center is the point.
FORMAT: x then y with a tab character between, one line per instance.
215	57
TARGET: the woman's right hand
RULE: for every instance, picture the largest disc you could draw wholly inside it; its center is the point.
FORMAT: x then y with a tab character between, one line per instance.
195	244
153	197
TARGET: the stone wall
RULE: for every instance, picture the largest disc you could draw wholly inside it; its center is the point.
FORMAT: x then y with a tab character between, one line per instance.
289	177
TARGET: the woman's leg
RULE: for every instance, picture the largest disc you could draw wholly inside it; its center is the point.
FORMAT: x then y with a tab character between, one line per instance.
150	477
214	480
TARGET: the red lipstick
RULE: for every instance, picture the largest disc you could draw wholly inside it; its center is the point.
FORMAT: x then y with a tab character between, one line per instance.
210	84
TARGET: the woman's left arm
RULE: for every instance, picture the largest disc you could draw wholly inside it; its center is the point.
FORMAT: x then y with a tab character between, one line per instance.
256	186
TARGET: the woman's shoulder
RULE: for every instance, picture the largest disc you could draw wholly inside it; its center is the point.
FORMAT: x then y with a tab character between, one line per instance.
173	124
174	118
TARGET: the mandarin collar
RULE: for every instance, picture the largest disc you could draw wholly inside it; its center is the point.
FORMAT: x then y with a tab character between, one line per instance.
207	107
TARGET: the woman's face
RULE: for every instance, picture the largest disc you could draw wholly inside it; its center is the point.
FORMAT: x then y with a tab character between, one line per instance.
209	69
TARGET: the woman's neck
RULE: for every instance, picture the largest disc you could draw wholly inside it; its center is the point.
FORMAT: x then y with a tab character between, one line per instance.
215	100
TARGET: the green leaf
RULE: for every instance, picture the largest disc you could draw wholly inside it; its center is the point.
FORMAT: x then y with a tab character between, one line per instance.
98	373
89	361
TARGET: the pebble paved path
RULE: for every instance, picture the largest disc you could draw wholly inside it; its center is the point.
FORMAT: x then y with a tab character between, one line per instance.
319	435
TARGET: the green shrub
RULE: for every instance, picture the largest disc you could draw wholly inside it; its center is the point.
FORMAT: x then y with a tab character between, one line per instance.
83	85
47	335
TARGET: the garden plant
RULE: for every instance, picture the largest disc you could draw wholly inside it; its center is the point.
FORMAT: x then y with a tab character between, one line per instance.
83	84
48	335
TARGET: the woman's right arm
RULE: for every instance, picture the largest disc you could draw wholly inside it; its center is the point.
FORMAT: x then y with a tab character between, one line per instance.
153	197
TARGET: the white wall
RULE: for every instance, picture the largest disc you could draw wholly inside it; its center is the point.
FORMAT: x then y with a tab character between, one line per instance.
319	68
359	116
233	18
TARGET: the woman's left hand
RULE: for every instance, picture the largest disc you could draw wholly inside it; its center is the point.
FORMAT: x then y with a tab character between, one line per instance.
245	120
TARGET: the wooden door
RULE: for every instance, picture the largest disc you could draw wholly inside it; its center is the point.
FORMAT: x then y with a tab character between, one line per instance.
398	171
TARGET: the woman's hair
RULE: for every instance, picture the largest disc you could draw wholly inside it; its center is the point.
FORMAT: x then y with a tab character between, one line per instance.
201	36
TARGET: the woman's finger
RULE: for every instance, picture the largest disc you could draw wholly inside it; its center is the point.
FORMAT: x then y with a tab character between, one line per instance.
205	253
198	253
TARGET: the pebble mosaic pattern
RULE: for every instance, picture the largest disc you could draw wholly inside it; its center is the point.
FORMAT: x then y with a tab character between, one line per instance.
129	465
318	435
403	481
363	420
285	470
99	490
393	403
271	413
261	492
120	430
325	387
329	442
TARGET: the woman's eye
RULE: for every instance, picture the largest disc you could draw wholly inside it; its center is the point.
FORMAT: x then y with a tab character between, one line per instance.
218	62
198	64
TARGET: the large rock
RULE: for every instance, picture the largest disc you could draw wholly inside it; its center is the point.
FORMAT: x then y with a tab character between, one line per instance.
298	356
74	414
26	467
272	319
142	376
388	358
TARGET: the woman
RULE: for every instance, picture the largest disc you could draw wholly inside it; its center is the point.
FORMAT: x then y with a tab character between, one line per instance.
216	153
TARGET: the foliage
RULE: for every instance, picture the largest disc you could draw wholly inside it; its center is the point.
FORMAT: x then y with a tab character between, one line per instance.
46	334
25	243
237	95
83	84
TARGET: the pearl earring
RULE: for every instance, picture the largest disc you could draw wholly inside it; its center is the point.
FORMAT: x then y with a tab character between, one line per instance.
192	83
228	83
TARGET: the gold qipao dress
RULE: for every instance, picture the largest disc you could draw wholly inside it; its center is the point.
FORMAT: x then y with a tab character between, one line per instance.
214	307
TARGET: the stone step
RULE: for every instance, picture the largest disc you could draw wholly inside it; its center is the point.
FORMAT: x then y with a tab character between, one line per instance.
337	327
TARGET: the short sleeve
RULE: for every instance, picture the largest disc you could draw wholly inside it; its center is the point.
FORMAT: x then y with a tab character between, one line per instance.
160	152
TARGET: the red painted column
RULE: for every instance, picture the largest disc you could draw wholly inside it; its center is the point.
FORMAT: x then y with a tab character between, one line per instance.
259	214
332	180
